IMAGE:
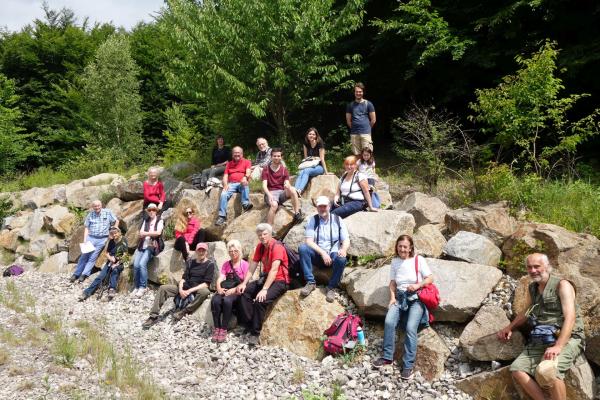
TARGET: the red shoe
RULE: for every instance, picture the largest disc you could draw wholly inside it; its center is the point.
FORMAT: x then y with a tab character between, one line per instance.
223	336
216	335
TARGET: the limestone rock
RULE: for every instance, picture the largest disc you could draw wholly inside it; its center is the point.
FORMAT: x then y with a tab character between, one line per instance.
58	219
490	220
9	239
322	185
41	246
204	314
297	324
41	197
57	263
167	267
521	296
491	385
369	289
218	251
429	241
130	190
74	249
479	341
471	247
384	228
18	221
432	353
426	209
295	236
385	198
82	196
34	225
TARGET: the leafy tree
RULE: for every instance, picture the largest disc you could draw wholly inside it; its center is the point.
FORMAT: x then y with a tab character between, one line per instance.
268	58
525	111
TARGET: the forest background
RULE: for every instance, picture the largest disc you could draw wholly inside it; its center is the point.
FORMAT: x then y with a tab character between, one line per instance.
475	101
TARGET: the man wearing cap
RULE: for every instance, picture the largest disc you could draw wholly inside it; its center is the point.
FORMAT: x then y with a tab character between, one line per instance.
557	336
235	179
326	245
96	223
116	257
196	281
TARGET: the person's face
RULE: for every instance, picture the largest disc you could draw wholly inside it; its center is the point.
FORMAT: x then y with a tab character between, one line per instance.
366	155
349	167
237	154
111	234
234	253
264	237
151	212
97	207
323	211
358	93
276	158
262	145
189	213
311	135
537	270
116	234
404	249
201	253
152	176
220	142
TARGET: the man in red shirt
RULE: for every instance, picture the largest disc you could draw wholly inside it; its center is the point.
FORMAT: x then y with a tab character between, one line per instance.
235	179
272	284
277	188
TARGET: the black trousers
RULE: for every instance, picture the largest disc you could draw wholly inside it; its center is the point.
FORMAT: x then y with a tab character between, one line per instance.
253	312
222	309
180	243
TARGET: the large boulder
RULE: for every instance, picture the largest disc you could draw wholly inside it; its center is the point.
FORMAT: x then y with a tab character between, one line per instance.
474	248
41	197
369	289
218	251
33	226
491	220
9	239
57	263
41	247
167	267
384	228
432	353
479	341
76	239
130	190
82	192
426	209
58	219
322	185
297	324
429	241
491	385
204	314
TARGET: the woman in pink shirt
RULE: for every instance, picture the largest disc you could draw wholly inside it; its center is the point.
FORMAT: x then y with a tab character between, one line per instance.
188	232
154	191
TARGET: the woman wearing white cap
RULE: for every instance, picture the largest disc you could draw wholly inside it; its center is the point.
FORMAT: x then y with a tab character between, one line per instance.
148	247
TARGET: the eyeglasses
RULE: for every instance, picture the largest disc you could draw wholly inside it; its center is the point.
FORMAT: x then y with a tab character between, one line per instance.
189	212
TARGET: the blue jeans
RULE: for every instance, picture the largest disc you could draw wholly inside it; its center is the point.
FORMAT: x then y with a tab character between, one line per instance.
141	258
349	208
309	257
409	320
113	280
305	174
86	261
226	195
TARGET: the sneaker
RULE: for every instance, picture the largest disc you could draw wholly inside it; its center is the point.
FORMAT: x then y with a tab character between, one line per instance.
178	315
253	340
133	293
330	296
307	289
298	217
141	292
149	322
381	362
247	207
82	278
407	374
73	278
223	336
220	221
111	294
216	335
83	296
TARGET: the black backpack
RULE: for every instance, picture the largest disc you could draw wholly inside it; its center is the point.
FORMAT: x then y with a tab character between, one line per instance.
294	269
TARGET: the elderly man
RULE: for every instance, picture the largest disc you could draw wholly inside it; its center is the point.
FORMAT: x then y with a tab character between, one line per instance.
263	158
326	245
556	337
360	118
273	282
235	179
277	188
97	223
195	284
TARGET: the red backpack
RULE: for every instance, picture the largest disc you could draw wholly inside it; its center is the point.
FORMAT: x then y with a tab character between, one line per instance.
341	331
429	295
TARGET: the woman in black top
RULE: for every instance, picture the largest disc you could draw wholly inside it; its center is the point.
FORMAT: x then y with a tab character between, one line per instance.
313	147
220	155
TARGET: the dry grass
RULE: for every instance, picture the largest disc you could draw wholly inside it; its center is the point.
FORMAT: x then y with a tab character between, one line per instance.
4	356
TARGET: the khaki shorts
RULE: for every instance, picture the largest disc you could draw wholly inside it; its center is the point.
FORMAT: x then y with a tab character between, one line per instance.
532	355
279	195
361	141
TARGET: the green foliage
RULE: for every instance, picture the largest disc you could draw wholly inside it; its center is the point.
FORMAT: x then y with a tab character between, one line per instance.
525	111
65	349
285	45
6	207
182	138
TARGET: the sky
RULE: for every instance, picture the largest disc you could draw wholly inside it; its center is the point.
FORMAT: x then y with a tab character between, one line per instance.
15	14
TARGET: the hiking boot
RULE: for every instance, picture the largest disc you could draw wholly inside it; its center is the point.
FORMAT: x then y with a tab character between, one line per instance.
73	278
381	362
222	336
111	294
83	297
253	340
216	335
330	296
82	278
247	207
407	374
149	322
178	315
298	217
307	289
220	221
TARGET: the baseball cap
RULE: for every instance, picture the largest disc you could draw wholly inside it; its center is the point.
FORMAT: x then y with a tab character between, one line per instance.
322	201
151	206
201	246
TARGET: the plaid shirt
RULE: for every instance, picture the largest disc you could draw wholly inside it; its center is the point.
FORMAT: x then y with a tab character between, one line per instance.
98	223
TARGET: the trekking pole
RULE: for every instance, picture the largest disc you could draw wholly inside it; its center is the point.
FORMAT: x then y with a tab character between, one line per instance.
105	282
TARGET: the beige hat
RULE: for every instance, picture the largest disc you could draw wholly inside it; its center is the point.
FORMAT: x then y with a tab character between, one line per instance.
546	372
322	201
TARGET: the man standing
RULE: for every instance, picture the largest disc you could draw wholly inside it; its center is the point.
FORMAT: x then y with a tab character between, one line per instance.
263	158
195	282
235	179
277	188
273	282
557	336
326	245
360	118
97	223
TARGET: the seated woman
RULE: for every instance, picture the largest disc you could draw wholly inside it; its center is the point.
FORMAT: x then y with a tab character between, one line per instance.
405	307
116	254
150	231
313	147
353	191
220	155
366	165
154	190
232	274
187	228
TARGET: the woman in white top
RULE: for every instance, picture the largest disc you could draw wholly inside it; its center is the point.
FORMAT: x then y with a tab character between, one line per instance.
405	307
151	229
353	191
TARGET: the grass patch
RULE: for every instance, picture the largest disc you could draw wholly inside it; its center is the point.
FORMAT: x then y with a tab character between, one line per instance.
65	349
51	323
4	357
298	376
8	337
12	297
26	385
97	347
125	374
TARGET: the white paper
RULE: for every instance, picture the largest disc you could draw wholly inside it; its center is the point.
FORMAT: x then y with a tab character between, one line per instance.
86	247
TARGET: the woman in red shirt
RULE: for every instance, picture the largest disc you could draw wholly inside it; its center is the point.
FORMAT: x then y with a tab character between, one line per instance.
154	191
187	228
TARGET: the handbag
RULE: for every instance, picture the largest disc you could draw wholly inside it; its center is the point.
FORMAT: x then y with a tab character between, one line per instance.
180	303
544	334
428	295
309	162
231	279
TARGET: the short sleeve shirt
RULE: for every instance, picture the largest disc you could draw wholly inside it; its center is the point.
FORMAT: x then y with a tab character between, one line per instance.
403	271
99	223
274	251
237	170
240	270
366	169
331	235
313	151
360	116
275	179
351	188
221	155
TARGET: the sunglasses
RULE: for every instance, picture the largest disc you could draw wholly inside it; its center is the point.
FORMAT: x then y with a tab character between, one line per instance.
189	212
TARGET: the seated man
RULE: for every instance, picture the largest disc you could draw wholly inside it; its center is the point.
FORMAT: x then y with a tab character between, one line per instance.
196	280
220	155
277	188
263	158
557	332
323	235
235	179
273	281
116	255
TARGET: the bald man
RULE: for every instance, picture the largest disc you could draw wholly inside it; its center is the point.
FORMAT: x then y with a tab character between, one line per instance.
235	179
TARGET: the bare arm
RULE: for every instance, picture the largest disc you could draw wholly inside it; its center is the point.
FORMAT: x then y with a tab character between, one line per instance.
393	288
567	299
322	157
505	333
305	151
349	120
372	118
364	185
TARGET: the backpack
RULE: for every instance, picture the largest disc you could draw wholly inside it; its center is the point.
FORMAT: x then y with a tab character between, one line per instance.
375	201
337	220
13	270
294	269
343	330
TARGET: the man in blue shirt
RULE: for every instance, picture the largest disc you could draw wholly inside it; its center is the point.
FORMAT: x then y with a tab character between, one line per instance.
97	223
360	118
326	244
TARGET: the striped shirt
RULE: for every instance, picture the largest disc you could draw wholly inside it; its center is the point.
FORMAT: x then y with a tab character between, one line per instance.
99	223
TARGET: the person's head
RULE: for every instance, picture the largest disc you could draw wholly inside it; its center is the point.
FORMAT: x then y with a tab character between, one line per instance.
359	91
237	153
96	205
350	164
276	155
366	155
405	247
538	267
115	233
220	141
234	248
264	232
152	210
186	209
262	144
153	174
312	134
323	205
201	251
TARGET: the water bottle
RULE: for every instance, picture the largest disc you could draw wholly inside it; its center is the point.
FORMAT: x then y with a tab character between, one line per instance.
360	336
